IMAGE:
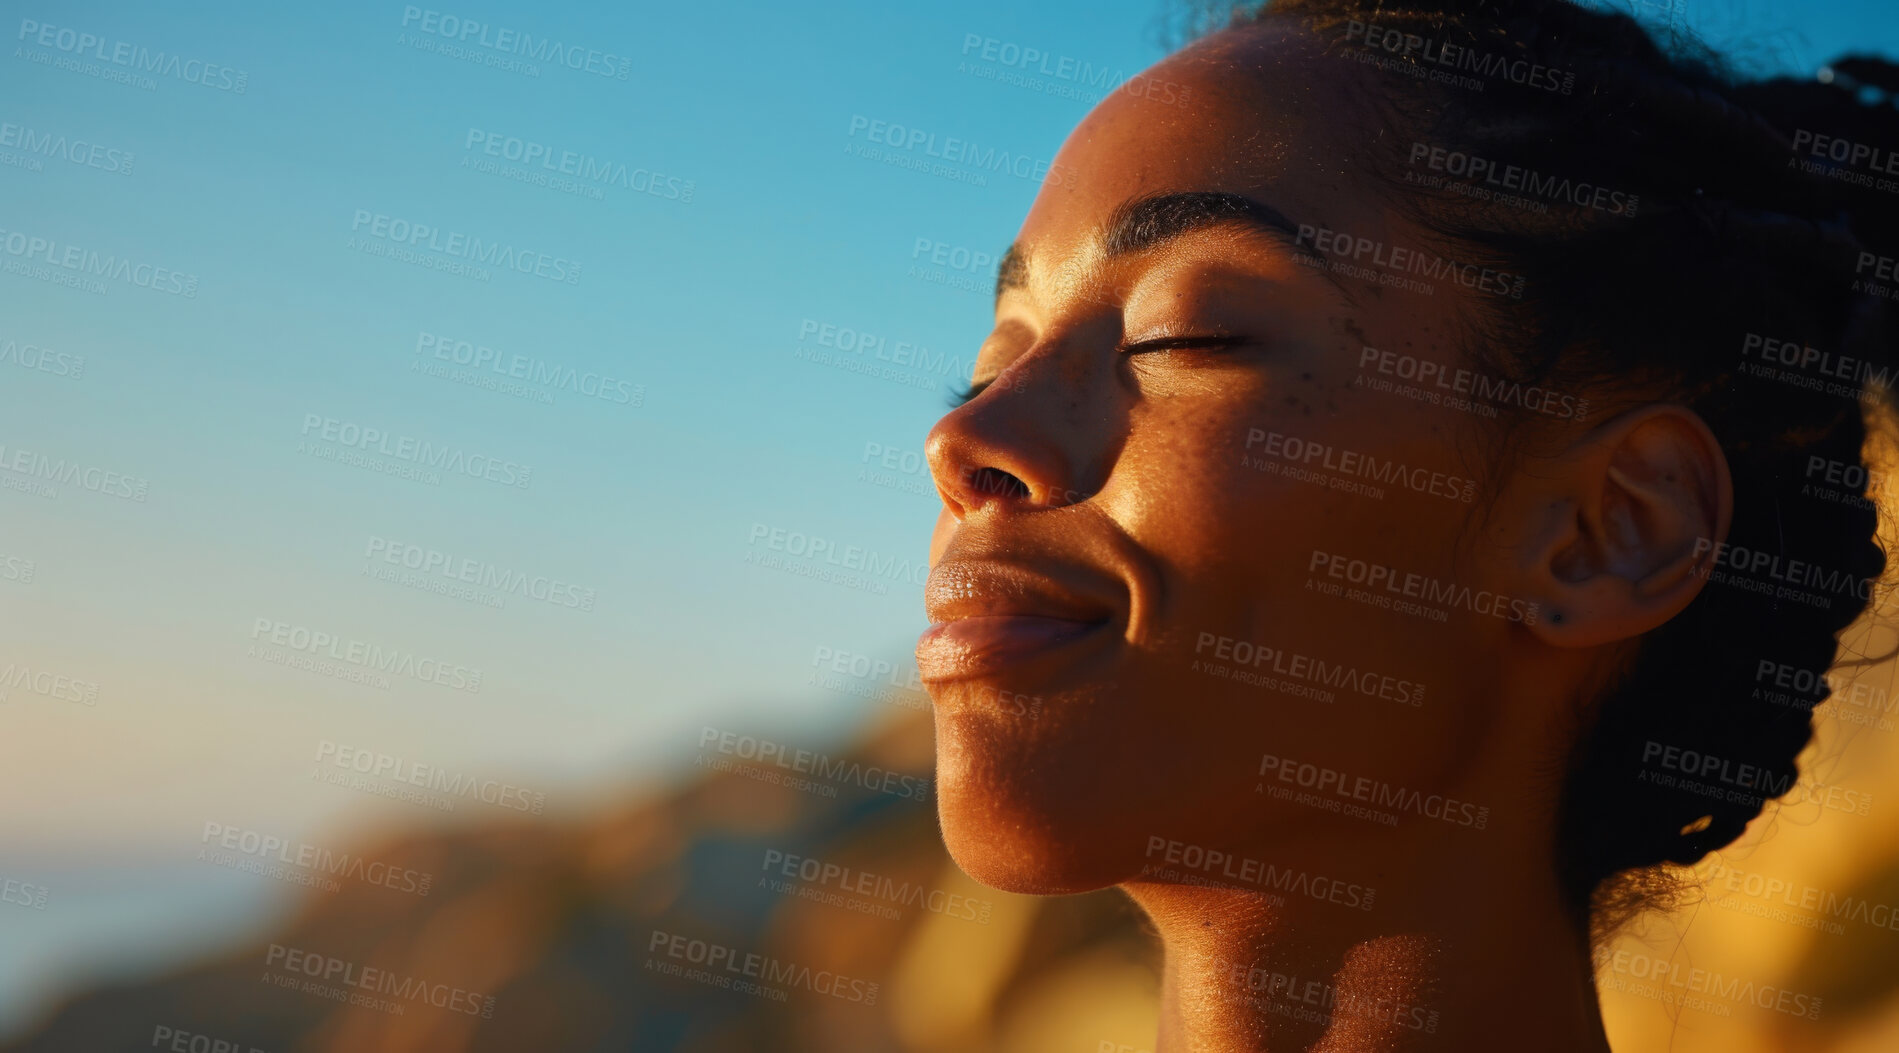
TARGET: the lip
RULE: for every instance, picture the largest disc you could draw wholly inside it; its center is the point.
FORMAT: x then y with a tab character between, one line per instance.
989	615
987	644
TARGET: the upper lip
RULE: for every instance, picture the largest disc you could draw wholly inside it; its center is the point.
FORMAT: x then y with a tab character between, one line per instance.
977	588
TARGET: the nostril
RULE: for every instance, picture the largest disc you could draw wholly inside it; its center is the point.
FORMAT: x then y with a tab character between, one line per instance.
994	482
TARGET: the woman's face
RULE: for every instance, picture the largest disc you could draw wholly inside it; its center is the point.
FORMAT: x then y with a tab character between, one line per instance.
1199	443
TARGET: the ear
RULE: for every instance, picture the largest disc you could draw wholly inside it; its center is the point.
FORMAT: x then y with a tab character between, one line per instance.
1621	531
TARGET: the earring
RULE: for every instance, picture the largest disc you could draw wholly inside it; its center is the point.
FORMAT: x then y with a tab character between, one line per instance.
1556	617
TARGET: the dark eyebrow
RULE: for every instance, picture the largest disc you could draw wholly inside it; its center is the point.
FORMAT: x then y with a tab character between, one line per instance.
1012	272
1144	223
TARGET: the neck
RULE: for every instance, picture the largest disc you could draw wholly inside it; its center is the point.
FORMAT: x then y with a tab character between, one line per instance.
1482	950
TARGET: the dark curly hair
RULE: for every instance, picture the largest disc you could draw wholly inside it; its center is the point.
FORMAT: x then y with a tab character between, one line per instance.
1689	235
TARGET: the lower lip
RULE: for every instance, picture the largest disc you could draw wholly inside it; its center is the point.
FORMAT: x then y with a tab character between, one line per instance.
972	647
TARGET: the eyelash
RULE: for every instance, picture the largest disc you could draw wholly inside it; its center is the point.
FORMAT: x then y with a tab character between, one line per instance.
1181	343
968	394
963	397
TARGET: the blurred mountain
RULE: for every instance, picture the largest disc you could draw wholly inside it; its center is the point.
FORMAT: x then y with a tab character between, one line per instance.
641	932
812	907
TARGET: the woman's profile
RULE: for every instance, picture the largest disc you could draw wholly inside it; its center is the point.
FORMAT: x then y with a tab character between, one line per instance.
1417	469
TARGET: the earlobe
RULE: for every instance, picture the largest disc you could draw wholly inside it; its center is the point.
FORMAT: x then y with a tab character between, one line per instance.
1628	517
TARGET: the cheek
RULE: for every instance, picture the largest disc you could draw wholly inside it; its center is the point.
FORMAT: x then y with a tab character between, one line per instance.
1202	497
1237	499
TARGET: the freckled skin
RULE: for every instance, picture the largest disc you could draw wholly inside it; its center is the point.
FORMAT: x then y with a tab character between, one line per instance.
1160	439
1152	467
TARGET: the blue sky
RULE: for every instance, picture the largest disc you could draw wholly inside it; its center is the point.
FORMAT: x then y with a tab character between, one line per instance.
735	229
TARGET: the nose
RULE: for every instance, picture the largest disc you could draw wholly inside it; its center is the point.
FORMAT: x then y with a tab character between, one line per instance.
1041	436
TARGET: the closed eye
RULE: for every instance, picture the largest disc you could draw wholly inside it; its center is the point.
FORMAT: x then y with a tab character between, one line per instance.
966	395
1163	343
1182	343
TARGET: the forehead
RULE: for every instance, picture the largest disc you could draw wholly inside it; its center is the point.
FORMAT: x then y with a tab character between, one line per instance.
1257	112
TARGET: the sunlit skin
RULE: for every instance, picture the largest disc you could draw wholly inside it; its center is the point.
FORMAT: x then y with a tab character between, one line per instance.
1126	477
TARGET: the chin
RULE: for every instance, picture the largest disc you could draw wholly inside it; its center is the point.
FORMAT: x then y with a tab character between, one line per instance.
1025	819
1012	855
